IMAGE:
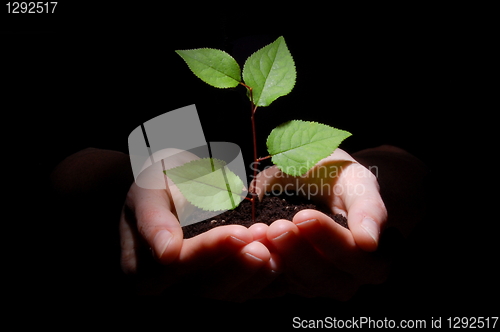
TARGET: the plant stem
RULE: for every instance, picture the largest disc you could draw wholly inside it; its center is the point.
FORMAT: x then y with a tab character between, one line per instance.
253	109
256	160
264	158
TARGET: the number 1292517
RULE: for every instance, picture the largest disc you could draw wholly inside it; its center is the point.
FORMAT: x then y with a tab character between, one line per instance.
40	7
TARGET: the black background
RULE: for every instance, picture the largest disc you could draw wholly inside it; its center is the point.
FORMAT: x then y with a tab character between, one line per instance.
417	78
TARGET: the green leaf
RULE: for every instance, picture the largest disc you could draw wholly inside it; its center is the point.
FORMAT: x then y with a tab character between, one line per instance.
212	66
296	146
270	72
208	184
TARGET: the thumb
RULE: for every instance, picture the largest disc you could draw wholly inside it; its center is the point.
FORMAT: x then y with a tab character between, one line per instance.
157	224
366	211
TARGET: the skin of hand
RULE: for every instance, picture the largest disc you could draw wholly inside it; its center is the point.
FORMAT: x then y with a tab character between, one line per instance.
317	256
224	263
320	257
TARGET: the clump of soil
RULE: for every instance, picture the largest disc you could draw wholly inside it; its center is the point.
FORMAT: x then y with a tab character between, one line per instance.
268	210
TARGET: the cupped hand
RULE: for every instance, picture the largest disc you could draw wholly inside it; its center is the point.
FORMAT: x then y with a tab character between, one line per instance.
224	263
322	258
317	256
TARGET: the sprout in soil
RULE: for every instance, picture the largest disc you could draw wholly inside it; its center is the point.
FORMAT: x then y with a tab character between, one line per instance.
294	146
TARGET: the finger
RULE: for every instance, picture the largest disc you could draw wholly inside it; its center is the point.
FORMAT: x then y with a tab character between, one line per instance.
267	179
300	259
366	212
308	273
259	232
337	245
324	233
236	277
129	242
197	254
212	246
156	222
256	285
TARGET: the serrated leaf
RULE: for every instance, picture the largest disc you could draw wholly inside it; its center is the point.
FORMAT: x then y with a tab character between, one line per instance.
212	66
296	146
270	72
208	184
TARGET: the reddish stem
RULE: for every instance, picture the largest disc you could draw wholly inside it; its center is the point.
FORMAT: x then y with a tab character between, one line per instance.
253	109
256	160
264	158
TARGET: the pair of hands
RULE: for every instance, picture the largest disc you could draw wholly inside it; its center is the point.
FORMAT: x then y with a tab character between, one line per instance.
309	256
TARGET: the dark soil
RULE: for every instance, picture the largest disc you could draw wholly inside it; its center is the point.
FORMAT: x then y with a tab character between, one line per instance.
268	210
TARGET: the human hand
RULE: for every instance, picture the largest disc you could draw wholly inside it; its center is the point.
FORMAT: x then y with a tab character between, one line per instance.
223	263
322	258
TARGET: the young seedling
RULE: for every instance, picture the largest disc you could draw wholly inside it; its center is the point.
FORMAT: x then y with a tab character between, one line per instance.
294	146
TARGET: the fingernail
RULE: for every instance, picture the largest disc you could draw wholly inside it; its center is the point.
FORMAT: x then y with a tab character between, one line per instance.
253	257
371	228
274	267
161	241
306	222
280	236
236	241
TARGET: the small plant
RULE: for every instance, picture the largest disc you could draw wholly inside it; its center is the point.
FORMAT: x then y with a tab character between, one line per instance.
294	146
